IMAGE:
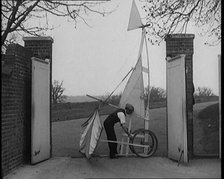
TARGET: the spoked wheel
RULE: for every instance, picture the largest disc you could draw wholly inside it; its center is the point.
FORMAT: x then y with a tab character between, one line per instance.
144	143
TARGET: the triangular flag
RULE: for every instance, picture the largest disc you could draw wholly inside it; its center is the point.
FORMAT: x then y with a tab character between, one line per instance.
134	19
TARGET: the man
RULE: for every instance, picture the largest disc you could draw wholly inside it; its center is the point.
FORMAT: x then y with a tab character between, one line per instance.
110	121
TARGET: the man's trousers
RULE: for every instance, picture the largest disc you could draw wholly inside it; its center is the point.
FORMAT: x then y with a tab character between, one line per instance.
109	128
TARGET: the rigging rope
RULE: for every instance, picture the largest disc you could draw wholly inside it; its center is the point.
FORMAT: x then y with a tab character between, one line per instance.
118	84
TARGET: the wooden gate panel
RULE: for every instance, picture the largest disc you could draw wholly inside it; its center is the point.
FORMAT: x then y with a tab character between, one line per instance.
40	118
176	109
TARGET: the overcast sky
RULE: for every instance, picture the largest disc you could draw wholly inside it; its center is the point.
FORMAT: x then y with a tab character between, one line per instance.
93	60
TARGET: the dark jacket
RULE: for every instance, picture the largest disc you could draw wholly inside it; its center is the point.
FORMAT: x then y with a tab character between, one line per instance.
113	118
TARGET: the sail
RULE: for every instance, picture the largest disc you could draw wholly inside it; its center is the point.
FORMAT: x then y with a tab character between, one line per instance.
134	19
134	90
91	131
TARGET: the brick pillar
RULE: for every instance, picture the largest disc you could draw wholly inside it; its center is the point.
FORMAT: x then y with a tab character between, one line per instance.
183	44
42	48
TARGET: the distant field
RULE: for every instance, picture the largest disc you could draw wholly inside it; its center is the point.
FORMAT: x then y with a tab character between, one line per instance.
79	99
70	111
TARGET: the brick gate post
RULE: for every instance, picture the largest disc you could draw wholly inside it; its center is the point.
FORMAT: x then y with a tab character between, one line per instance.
177	44
42	48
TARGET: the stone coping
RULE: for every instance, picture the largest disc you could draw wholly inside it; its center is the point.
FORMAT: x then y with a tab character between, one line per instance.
46	38
179	36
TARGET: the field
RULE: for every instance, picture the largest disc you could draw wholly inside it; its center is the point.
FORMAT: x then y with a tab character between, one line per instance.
66	131
70	111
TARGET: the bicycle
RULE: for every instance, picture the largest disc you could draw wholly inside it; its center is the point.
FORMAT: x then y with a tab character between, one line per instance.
142	142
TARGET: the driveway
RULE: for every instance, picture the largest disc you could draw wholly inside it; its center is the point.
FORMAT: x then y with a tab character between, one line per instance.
124	167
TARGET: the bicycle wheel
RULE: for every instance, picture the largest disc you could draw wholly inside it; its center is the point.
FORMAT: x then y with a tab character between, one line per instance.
144	142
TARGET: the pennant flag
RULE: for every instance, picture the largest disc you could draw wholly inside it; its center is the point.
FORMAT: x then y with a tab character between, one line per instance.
91	131
134	19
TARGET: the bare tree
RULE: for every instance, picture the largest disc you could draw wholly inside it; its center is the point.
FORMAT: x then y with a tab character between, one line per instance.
203	91
17	15
57	92
173	16
156	94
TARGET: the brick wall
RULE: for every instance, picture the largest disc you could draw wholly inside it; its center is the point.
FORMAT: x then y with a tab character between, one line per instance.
16	100
177	44
15	108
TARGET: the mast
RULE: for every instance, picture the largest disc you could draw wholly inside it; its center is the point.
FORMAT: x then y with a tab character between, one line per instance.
143	38
136	23
141	44
147	105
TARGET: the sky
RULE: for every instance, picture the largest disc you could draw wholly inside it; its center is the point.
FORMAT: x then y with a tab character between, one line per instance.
93	60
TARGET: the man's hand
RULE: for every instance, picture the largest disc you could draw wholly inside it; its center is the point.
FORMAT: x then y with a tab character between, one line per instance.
126	130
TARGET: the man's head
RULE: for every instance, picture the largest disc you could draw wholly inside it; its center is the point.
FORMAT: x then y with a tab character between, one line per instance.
129	108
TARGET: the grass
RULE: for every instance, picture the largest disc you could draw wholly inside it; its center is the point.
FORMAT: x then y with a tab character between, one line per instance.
208	119
70	111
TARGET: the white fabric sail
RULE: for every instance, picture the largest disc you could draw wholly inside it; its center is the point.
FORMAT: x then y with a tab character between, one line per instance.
134	19
134	90
91	131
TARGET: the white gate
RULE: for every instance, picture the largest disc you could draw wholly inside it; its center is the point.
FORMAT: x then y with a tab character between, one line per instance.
40	111
176	109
